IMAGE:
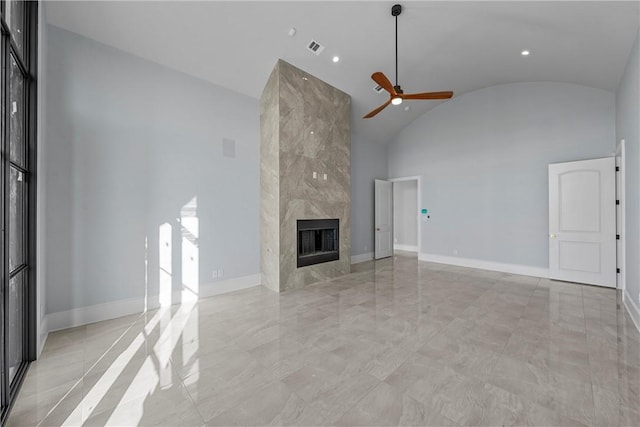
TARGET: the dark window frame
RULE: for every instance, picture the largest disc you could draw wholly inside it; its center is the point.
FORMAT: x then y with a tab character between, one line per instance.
27	64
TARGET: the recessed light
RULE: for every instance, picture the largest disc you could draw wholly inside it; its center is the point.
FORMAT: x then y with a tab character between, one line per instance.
525	53
292	31
336	59
311	132
407	108
305	78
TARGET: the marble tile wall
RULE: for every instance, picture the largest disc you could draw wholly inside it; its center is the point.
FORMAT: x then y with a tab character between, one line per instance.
311	132
269	184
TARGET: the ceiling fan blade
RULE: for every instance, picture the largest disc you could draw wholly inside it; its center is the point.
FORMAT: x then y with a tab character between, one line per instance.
428	95
377	110
383	81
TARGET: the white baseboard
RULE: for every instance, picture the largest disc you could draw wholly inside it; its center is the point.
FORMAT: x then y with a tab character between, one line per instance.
230	285
355	259
406	248
94	313
632	309
524	270
111	310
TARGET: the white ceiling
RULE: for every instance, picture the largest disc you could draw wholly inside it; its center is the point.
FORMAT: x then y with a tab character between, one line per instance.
445	45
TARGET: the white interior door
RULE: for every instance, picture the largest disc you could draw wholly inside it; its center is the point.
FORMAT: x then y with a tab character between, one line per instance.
582	222
383	219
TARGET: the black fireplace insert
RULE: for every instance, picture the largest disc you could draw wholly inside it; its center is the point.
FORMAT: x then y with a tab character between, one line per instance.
318	241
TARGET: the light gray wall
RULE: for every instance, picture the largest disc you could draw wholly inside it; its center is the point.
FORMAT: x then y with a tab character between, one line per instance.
368	162
483	159
628	128
130	144
41	188
405	213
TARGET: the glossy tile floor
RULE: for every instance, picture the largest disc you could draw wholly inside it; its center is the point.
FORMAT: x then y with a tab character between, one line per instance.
399	342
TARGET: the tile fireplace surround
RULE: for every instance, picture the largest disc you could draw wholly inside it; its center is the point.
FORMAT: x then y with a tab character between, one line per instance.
305	173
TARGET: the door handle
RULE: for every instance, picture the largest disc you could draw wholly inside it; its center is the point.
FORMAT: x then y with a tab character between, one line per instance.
553	236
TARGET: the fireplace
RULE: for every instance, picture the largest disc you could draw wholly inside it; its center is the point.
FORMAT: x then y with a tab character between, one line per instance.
318	241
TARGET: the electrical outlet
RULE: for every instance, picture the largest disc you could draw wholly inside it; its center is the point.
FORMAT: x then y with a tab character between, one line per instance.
215	274
455	252
220	273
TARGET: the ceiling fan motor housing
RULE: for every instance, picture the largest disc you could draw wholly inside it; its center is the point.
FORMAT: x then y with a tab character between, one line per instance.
396	10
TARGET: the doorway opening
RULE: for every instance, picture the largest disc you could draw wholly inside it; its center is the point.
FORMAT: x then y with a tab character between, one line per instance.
406	215
397	197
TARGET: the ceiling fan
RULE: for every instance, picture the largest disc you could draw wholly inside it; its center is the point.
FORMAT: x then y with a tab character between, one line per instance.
396	95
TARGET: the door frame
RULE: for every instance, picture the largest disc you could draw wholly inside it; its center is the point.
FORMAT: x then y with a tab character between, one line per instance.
621	257
419	202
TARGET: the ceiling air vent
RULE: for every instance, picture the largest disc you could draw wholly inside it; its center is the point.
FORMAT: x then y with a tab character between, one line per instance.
378	89
315	47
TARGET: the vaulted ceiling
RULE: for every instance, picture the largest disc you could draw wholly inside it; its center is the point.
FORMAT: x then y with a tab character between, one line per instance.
443	45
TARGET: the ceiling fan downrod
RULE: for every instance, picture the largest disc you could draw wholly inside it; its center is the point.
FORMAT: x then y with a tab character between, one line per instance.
396	10
396	95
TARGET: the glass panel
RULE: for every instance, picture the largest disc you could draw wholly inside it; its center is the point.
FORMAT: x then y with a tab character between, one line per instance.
16	324
15	20
16	106
16	218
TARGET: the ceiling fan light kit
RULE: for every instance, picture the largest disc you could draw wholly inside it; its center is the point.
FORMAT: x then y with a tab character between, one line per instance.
396	95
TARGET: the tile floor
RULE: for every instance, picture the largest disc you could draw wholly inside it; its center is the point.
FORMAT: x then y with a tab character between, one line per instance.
398	342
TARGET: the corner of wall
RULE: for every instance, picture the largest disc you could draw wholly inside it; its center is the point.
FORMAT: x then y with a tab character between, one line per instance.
628	128
356	259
